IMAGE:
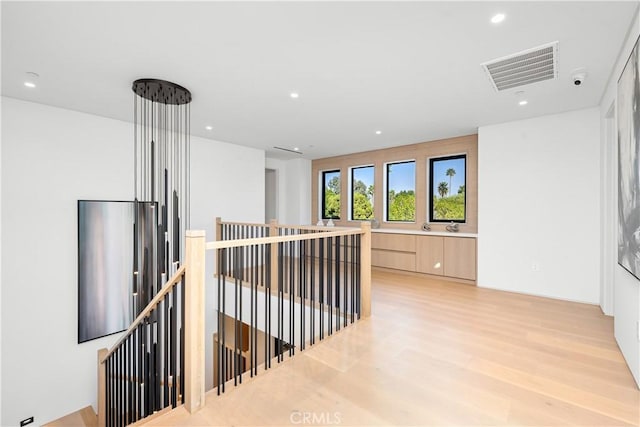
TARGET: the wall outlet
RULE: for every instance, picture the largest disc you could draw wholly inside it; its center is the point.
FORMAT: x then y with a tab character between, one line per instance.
26	421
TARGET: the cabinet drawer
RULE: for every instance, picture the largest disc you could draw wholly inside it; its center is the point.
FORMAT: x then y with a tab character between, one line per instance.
394	242
396	260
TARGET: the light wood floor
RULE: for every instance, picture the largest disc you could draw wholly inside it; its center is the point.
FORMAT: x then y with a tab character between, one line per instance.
440	353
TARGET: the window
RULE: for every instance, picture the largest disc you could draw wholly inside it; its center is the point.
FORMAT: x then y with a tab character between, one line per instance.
447	183
401	191
362	190
331	194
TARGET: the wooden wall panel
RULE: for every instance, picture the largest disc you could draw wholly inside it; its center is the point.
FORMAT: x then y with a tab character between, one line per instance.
421	152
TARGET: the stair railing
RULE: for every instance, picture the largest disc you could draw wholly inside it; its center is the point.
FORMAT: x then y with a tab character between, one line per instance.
158	362
284	292
312	283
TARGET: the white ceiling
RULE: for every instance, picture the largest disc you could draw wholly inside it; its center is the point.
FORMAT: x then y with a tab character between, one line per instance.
409	69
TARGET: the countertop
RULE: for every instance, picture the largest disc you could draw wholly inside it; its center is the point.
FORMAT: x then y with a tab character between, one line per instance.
423	233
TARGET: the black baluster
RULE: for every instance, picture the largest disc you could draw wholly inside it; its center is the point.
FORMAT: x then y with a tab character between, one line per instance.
107	394
127	381
267	310
330	283
279	308
140	350
292	292
345	288
235	317
167	343
301	290
312	286
353	249
223	331
221	263
321	286
337	284
173	333
358	284
182	314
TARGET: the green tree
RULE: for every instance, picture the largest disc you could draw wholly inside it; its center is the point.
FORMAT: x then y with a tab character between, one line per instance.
451	208
370	192
331	204
362	201
360	188
402	206
450	173
334	185
443	189
461	189
362	208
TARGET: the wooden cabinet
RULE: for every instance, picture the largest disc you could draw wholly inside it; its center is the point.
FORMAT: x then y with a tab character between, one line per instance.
445	256
430	255
394	242
460	257
393	259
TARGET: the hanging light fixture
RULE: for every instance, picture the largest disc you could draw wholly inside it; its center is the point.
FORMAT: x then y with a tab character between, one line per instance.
161	169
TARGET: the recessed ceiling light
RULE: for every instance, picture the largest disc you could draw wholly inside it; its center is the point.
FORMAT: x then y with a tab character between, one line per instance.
523	102
296	149
208	127
378	132
498	18
30	84
294	95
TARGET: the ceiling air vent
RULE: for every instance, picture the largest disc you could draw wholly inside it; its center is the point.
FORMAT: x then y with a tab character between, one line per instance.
294	151
523	68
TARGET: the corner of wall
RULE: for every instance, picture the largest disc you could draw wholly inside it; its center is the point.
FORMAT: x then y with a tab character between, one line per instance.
625	294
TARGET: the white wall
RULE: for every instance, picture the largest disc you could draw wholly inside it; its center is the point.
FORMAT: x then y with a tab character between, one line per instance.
281	178
270	194
51	158
227	180
0	260
539	206
294	190
298	190
626	288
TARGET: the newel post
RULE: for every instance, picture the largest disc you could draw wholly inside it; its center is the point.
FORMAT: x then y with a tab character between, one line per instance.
194	331
273	232
365	269
102	389
218	229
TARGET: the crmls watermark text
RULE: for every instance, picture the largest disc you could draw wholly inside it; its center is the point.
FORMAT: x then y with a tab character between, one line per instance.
315	418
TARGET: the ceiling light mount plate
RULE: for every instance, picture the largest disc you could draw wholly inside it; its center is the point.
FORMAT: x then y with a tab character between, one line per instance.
161	91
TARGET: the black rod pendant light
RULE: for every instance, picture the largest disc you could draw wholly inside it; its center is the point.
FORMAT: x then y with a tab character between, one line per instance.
161	169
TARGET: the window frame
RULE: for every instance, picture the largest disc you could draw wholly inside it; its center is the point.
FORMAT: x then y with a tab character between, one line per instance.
386	191
352	199
431	161
322	193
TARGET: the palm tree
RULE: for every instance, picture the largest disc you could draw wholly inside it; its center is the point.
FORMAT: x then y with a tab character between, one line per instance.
443	189
450	173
